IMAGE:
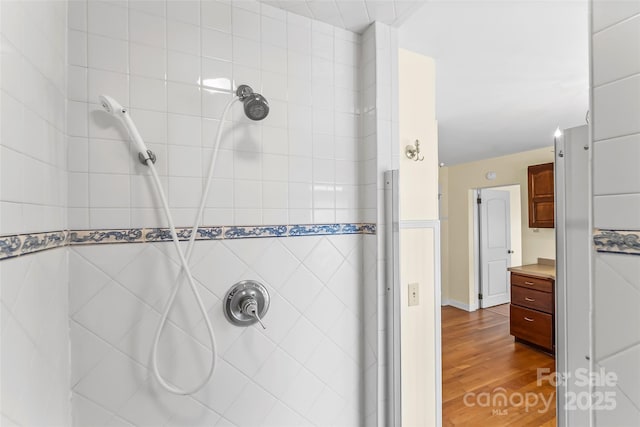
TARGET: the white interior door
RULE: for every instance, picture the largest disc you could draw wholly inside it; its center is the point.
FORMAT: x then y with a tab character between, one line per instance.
495	247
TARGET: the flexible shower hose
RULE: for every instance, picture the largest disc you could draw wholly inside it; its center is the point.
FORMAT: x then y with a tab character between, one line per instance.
185	270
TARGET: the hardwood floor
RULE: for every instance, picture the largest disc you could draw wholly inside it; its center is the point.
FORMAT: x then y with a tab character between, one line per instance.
481	363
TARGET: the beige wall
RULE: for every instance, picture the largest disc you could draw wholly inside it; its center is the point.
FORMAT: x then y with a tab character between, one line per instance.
419	180
418	201
418	329
457	183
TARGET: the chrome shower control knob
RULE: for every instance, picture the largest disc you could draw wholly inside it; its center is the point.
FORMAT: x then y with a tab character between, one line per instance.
246	303
249	306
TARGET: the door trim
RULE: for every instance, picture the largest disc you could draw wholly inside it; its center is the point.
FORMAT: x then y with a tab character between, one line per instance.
477	265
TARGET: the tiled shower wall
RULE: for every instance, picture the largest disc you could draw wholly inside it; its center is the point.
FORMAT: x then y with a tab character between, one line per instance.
174	64
33	289
615	66
33	191
305	369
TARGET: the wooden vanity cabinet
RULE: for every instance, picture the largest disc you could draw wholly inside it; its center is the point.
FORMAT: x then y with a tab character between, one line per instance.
541	196
532	310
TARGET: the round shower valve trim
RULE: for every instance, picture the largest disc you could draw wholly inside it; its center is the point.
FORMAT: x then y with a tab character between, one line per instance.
246	303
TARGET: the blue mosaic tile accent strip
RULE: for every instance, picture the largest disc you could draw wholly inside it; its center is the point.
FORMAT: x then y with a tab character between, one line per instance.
84	237
22	244
617	241
329	229
243	232
315	229
184	233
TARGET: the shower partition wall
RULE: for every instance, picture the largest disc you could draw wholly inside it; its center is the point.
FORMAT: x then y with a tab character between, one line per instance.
297	166
294	205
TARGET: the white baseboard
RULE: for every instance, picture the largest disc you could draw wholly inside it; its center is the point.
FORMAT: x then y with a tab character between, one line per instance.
457	304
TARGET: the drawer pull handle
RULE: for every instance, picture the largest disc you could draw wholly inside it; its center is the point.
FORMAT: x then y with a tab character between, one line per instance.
529	299
529	283
528	319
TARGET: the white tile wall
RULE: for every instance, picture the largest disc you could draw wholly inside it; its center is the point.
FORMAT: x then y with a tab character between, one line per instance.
615	94
616	64
607	13
616	107
174	64
33	197
617	212
623	152
32	142
305	369
35	340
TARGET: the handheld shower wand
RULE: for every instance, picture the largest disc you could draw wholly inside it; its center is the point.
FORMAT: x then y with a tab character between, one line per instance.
112	106
147	158
257	108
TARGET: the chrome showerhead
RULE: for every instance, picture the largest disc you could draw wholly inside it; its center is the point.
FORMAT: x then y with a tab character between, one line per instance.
256	106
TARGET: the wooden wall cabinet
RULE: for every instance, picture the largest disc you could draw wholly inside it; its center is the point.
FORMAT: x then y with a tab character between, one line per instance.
541	196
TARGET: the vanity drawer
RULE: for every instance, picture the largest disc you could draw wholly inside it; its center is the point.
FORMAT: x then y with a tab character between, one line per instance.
532	326
544	285
531	298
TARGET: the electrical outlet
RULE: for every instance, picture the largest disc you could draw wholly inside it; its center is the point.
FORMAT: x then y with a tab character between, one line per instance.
414	296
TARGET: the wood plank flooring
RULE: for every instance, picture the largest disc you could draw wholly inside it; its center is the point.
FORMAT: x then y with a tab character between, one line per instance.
481	360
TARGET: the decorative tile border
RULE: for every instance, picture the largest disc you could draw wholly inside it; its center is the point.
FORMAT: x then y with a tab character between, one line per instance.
21	244
244	232
617	241
140	235
605	241
88	237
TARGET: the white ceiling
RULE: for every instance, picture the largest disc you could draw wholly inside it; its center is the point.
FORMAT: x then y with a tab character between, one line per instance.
353	15
507	72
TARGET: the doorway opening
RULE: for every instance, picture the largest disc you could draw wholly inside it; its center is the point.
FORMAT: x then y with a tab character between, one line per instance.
497	243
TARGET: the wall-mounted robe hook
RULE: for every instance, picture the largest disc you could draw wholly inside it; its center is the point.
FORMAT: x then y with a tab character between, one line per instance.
413	152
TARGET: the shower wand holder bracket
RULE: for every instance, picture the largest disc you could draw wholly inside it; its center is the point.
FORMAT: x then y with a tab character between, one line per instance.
150	155
242	298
